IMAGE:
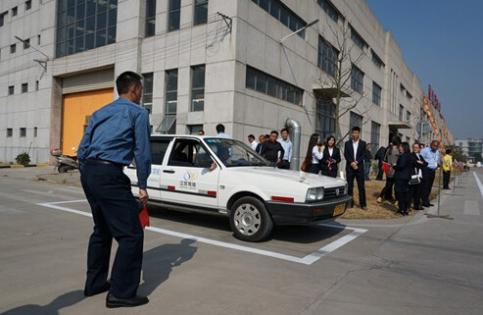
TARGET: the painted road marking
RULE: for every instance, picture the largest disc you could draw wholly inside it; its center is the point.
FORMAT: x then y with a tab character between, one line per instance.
478	182
471	207
307	260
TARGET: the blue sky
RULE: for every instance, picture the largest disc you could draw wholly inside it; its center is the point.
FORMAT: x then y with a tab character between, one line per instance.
442	42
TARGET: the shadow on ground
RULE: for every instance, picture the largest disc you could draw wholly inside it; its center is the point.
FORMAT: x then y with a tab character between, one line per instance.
158	263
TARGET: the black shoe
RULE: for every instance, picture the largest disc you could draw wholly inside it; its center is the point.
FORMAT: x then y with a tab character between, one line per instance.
104	288
419	208
364	208
114	302
426	205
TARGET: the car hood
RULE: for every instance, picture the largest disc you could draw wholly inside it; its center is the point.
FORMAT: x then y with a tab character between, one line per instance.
312	180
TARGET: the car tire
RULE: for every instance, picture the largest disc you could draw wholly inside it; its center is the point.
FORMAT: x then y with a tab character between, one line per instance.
250	220
63	168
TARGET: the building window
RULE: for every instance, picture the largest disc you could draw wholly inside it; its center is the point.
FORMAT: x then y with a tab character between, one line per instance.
84	25
174	12
2	18
35	132
282	13
327	59
148	91
200	15
376	94
36	85
23	132
376	60
28	5
194	129
9	132
358	40
150	26
25	87
198	88
13	48
375	135
357	79
26	43
401	112
326	117
14	11
11	90
408	116
267	84
355	121
38	39
171	79
330	9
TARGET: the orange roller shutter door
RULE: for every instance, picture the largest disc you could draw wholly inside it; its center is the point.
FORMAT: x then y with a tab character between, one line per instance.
76	110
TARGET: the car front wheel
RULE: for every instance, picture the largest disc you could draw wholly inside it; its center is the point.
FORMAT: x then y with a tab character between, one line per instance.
250	220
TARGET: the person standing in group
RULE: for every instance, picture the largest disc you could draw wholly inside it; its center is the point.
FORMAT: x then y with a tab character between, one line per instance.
381	152
272	149
404	168
116	134
447	168
220	132
252	142
367	162
315	153
354	152
261	141
331	158
391	157
416	189
432	156
287	147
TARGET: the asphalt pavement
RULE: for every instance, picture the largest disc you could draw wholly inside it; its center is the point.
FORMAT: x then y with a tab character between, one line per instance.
193	265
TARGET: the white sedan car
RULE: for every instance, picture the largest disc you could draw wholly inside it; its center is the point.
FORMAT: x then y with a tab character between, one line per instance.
226	177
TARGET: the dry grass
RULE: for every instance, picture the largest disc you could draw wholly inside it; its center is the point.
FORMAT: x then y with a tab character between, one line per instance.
385	210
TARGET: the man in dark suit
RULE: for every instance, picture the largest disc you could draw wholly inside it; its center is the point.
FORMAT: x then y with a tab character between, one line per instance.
420	164
354	152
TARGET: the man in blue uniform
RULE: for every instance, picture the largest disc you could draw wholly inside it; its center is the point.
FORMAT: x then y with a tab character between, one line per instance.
117	133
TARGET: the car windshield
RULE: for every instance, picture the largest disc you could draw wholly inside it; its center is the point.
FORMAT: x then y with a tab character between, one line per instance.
234	153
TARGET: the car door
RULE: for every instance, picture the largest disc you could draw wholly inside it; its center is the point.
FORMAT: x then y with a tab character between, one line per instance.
187	178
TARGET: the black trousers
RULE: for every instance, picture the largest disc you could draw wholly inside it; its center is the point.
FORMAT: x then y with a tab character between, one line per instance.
386	192
416	195
358	175
380	173
331	173
314	168
446	177
116	215
284	164
403	196
428	180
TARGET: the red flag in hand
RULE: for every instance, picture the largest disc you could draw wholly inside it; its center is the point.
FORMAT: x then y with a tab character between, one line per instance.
144	217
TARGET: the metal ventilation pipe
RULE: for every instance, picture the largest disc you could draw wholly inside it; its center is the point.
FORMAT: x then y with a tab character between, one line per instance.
296	134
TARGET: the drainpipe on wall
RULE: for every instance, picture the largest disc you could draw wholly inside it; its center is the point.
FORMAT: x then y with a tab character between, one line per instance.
296	132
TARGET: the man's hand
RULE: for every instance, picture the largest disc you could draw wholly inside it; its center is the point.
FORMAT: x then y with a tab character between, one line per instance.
143	197
354	165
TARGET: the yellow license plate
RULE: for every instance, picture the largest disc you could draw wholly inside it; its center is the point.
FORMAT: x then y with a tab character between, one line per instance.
339	209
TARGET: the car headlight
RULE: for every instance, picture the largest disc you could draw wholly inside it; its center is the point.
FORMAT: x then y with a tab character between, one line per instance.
314	194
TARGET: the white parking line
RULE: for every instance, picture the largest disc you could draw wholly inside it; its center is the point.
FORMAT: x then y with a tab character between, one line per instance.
478	182
307	260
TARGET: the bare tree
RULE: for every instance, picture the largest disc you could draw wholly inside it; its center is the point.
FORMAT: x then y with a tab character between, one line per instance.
342	94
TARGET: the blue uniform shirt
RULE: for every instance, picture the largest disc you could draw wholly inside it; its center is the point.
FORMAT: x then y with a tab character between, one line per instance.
432	157
119	132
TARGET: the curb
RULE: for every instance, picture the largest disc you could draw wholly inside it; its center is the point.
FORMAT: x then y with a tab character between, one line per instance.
24	166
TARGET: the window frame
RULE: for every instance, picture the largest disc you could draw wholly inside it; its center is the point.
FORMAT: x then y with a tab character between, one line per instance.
168	91
22	132
357	79
9	133
326	113
198	6
197	90
326	51
11	89
24	88
376	97
150	18
355	117
148	88
176	12
28	5
357	39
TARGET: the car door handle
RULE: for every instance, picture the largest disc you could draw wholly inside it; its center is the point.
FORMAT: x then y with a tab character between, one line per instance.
168	171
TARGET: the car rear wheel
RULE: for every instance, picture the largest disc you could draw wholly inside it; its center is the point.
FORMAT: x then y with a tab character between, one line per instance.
250	220
63	168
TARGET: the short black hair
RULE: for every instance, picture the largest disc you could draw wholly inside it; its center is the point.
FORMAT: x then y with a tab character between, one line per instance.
284	129
125	80
274	132
250	136
396	140
220	128
448	151
356	128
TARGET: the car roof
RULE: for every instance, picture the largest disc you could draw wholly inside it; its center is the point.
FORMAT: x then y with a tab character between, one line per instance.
163	135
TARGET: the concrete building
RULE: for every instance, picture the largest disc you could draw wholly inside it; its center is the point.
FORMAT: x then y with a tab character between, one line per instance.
471	148
236	62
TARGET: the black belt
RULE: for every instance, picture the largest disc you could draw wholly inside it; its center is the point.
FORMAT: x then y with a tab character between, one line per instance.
104	162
